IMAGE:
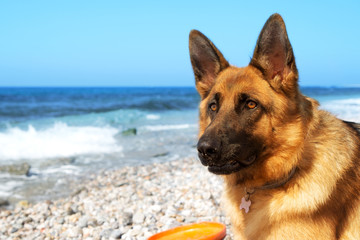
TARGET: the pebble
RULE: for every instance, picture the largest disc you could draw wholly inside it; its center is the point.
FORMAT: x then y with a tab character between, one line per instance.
83	221
74	232
61	220
116	234
127	218
92	222
156	208
138	218
106	233
13	230
150	199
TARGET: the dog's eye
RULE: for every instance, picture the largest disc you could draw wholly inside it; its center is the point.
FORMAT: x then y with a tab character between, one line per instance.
213	107
251	104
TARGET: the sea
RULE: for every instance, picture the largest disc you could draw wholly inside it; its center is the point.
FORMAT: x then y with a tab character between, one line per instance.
64	135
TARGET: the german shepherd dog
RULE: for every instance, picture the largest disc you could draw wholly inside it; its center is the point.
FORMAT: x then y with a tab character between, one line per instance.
291	171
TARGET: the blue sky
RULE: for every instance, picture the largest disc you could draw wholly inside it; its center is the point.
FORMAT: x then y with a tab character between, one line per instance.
145	43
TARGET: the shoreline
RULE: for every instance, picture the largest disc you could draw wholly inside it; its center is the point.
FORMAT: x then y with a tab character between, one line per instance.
133	202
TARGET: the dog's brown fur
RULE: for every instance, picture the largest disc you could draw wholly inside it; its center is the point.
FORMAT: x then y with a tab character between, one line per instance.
285	130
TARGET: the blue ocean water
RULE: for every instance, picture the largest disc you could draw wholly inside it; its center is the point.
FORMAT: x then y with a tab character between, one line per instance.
55	113
66	133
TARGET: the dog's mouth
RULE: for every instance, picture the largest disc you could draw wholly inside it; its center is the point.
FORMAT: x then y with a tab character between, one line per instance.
231	167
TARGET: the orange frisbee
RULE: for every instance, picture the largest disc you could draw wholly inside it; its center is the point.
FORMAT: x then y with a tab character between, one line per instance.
196	231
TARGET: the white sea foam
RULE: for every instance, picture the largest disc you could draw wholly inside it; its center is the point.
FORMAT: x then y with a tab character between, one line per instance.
347	109
6	187
169	127
60	140
152	117
67	169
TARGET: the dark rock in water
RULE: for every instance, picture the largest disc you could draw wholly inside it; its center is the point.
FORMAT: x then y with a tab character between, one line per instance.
66	160
16	169
4	203
129	132
58	161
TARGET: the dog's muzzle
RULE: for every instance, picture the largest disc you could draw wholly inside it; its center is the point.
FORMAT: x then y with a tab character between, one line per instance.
208	151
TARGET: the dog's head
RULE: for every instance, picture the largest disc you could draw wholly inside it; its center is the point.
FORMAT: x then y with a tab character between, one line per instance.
247	113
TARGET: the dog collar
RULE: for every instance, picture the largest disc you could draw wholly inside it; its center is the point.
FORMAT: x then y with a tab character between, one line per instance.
245	201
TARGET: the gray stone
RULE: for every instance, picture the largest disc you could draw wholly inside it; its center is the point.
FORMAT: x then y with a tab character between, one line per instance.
115	225
28	220
92	222
14	229
101	220
60	220
72	209
116	234
20	222
127	218
106	233
83	221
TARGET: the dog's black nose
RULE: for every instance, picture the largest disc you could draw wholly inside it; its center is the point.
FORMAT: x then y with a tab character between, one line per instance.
208	150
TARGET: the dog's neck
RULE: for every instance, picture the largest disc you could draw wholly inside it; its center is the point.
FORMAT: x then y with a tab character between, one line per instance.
270	185
245	201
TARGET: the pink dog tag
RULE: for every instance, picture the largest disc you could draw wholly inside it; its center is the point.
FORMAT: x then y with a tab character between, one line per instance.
245	205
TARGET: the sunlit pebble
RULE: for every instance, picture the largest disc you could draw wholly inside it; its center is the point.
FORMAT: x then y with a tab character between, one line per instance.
131	203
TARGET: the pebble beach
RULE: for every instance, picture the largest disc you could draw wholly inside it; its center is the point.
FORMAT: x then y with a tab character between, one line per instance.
133	202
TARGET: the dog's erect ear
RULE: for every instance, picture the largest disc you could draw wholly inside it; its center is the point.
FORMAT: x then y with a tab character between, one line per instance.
273	55
207	62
